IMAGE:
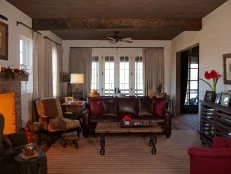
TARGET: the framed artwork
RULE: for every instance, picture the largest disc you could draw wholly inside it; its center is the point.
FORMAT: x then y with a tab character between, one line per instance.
225	99
210	96
3	41
218	98
227	68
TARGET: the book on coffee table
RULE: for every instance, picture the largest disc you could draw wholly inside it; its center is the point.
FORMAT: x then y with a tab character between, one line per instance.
135	123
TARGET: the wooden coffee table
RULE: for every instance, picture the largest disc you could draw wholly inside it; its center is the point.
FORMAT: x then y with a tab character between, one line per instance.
114	127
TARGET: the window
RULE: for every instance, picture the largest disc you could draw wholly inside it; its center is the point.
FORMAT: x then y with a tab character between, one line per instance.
54	71
139	86
95	73
124	75
117	74
109	78
25	54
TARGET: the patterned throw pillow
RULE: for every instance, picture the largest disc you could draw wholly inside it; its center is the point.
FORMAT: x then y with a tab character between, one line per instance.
96	107
159	107
56	124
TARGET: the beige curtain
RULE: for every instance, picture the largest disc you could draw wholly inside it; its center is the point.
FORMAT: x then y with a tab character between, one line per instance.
154	68
38	64
47	70
80	62
59	68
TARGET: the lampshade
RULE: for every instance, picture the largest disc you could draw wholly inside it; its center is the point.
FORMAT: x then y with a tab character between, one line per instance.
77	79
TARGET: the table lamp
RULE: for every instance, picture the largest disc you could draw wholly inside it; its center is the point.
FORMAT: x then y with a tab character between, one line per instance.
76	79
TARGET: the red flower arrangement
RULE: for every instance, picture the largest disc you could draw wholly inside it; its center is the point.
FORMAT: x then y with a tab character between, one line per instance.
214	75
127	118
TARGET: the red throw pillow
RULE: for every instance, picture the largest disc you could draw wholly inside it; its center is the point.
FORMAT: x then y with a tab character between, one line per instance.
96	107
158	108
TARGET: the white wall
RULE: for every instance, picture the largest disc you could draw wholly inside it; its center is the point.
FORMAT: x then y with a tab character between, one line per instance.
14	32
136	44
214	40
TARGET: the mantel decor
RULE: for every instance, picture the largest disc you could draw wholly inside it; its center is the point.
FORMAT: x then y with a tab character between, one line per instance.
227	68
14	74
3	41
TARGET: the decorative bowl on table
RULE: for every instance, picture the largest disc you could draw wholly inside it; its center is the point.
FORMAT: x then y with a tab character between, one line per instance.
29	149
135	123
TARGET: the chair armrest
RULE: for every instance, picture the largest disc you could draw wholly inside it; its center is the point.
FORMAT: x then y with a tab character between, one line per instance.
44	116
18	139
209	152
221	142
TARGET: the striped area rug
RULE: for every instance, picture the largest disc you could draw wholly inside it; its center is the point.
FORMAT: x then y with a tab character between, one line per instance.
125	154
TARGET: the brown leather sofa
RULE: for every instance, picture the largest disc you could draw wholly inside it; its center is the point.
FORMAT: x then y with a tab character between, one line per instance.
112	109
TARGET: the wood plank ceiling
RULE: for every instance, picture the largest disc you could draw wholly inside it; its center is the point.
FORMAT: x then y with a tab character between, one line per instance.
98	19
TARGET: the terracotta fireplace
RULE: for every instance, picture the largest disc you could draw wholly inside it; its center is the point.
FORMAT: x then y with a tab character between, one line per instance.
10	105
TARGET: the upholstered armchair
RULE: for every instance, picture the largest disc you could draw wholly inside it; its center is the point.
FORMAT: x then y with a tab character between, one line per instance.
50	114
10	145
215	160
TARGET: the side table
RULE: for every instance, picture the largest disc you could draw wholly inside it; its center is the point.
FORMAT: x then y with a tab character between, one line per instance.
37	165
73	110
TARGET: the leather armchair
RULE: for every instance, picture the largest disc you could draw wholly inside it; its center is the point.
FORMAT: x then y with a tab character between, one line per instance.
211	160
10	149
50	114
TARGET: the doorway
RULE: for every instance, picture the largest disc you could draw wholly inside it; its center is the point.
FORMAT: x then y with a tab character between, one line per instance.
187	81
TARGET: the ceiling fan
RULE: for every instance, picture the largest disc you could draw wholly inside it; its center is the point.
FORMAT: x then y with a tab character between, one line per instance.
115	38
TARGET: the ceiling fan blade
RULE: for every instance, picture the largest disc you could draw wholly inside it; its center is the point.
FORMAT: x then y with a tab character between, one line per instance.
111	38
112	41
126	38
127	41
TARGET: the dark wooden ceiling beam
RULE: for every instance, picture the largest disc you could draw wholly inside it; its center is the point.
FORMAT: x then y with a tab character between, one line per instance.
59	24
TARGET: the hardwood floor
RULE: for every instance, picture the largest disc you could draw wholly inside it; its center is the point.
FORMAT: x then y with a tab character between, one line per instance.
186	122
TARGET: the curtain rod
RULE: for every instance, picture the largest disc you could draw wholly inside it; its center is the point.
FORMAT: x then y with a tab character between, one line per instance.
3	17
28	27
45	37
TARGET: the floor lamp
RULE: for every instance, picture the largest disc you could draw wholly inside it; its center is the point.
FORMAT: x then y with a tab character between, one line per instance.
77	79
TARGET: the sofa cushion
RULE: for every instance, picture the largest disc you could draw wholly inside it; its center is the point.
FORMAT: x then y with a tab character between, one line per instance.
145	107
155	118
128	106
221	142
70	123
110	107
96	107
56	124
159	107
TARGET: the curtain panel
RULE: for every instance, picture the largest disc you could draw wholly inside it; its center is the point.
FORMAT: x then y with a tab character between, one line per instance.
47	71
80	62
154	68
38	65
59	69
